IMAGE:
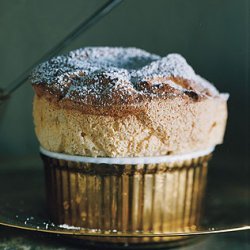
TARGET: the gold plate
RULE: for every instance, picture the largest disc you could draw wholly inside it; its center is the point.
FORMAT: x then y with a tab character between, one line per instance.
22	205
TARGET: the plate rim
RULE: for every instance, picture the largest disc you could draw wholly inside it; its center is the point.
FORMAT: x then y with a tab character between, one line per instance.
80	232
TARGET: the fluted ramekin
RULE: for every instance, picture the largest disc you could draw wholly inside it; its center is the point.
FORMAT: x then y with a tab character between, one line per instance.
141	194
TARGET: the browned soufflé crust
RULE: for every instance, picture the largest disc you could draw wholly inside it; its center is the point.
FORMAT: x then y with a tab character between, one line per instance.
125	102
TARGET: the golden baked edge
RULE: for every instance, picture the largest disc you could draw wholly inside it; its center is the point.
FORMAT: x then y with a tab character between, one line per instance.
156	127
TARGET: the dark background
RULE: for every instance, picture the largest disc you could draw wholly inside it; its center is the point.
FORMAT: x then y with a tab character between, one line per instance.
212	35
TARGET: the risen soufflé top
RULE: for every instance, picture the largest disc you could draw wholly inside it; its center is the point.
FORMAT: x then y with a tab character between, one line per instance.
125	102
106	76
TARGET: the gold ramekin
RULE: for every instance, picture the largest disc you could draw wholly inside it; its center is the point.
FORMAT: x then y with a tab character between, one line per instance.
153	197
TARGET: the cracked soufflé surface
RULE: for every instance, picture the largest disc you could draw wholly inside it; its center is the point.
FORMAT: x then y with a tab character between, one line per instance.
121	102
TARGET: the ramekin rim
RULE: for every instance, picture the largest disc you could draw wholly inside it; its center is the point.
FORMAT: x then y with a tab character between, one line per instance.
127	160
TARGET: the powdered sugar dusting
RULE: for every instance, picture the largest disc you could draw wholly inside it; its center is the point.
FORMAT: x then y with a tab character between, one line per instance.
65	226
172	65
118	75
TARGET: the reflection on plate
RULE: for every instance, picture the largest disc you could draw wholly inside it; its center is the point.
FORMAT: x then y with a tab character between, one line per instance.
22	205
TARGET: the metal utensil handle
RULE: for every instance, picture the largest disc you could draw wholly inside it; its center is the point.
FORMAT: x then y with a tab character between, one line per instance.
95	17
